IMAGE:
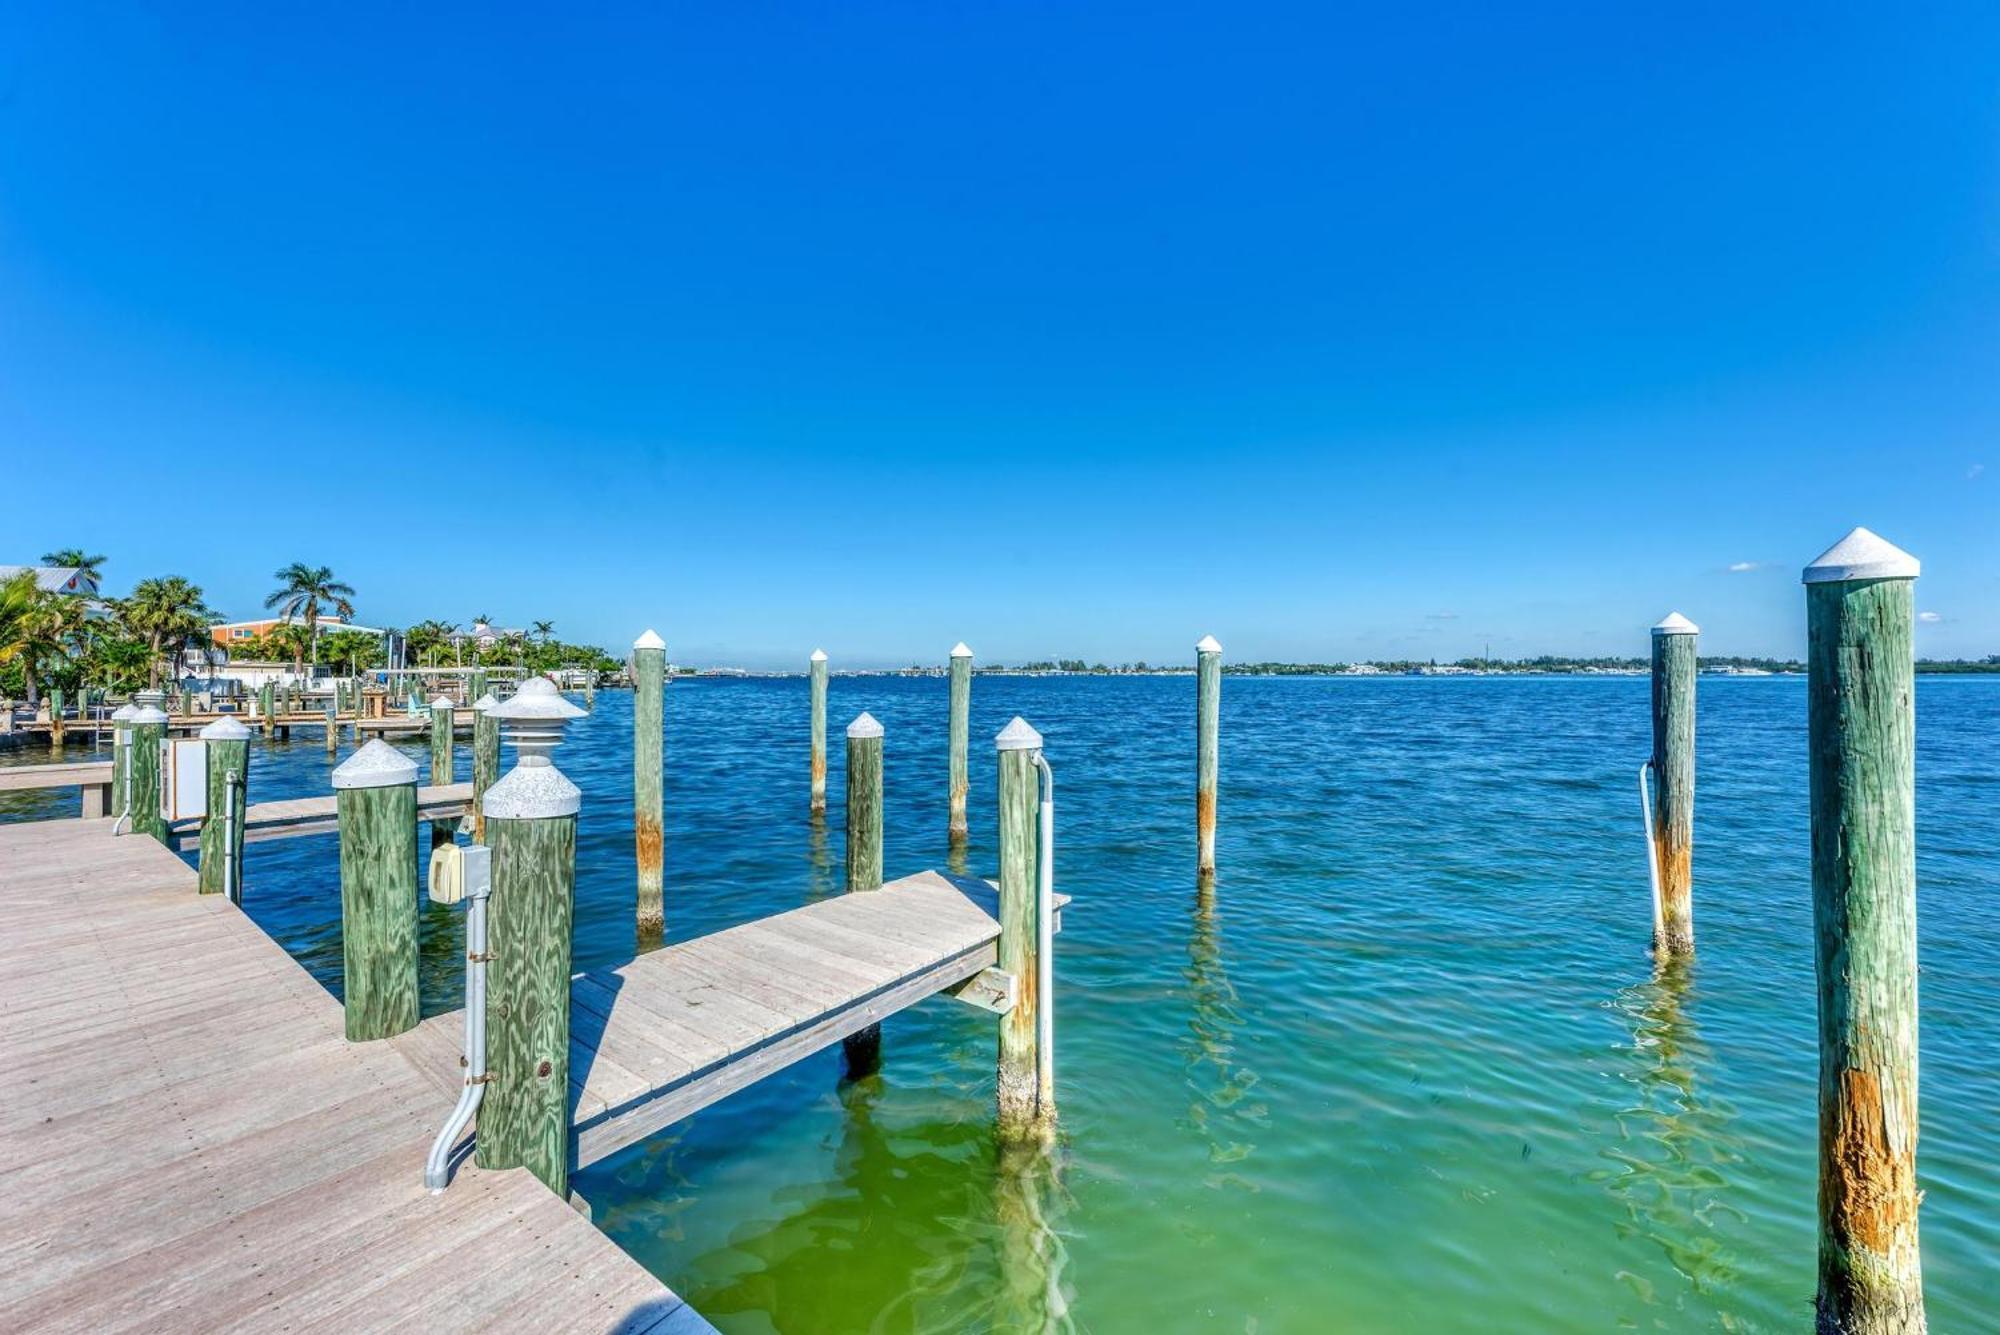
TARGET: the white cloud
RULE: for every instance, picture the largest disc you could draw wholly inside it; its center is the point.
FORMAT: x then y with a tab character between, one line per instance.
1744	567
1929	618
1974	471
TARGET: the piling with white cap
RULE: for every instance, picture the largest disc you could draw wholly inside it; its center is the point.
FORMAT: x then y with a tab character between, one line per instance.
149	731
961	725
1021	1113
1674	670
864	855
531	827
375	800
816	673
485	759
121	754
444	759
649	681
221	867
1207	723
1861	737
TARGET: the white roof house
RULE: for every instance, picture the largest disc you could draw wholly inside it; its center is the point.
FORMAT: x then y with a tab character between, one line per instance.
56	579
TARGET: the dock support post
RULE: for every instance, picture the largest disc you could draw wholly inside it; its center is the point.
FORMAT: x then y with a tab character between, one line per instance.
1017	1091
961	724
221	867
1207	724
649	681
267	705
121	756
1861	736
1674	671
149	729
333	727
485	760
863	1051
58	726
444	760
531	826
816	672
375	801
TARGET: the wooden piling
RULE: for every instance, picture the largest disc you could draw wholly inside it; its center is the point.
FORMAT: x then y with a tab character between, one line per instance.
863	1051
1016	1090
221	867
531	825
1207	724
1674	670
375	801
444	760
121	754
267	706
332	727
816	672
149	730
649	680
58	725
961	723
1861	728
485	760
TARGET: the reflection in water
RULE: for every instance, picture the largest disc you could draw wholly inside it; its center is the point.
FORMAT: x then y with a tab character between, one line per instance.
1219	1083
1027	1192
819	862
955	860
1675	1152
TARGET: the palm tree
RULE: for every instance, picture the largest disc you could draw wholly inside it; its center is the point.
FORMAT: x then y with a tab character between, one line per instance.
482	619
88	566
165	612
545	629
18	597
301	589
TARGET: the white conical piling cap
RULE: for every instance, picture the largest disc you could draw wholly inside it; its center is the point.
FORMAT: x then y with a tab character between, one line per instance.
1208	645
960	651
1861	555
1018	736
484	703
225	730
124	713
864	726
650	640
148	714
1675	624
441	701
532	792
376	765
818	656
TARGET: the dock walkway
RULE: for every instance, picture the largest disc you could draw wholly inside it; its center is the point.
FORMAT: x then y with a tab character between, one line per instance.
188	1143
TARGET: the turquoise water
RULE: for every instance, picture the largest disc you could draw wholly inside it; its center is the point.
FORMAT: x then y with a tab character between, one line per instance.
1407	1067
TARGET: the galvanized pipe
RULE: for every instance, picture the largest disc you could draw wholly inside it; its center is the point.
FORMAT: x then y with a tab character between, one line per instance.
1045	915
437	1168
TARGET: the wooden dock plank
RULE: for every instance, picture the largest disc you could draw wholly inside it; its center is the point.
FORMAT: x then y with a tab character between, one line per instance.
190	1144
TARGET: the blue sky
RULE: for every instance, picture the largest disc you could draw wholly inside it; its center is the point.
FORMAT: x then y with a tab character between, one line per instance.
1061	329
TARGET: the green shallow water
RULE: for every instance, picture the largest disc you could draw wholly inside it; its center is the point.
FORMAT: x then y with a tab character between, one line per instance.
1406	1067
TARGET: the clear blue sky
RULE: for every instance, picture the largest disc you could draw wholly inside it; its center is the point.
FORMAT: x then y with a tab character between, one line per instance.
1064	329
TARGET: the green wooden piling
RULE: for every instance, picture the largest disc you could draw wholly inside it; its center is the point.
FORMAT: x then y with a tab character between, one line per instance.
863	1051
149	730
187	700
649	680
221	867
58	726
961	723
333	727
267	706
1020	1110
444	760
816	673
1861	728
121	754
375	798
531	825
485	760
1674	670
1207	724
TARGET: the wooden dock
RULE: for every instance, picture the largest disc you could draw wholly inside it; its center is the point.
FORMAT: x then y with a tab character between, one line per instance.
291	817
674	1030
188	1142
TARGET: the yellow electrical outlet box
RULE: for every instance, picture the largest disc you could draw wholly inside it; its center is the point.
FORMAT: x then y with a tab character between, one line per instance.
447	874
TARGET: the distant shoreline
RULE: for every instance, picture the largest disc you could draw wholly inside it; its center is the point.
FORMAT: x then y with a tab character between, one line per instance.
1578	668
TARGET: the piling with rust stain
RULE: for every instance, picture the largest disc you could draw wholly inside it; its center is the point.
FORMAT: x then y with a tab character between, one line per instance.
649	681
1207	721
375	799
267	705
816	672
961	724
1016	1091
58	734
221	866
1674	669
864	855
1861	726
